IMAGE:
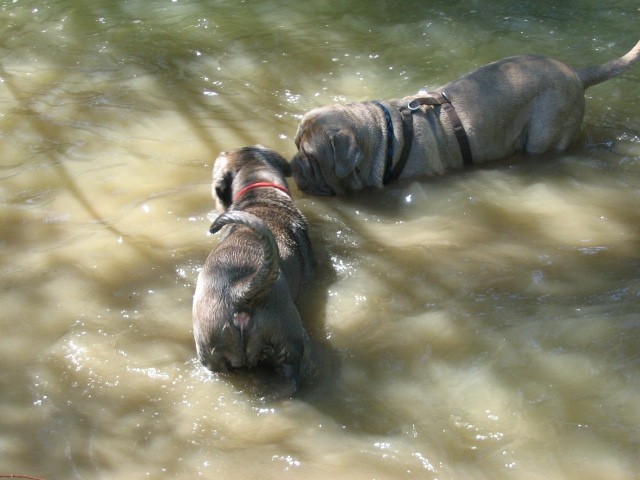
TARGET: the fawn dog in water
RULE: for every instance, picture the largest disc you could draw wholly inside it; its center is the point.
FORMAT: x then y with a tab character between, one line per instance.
244	307
527	103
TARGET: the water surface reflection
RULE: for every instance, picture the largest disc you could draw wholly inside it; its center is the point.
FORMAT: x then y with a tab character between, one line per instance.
482	324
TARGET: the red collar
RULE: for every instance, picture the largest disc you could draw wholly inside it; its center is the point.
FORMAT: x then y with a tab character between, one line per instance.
260	185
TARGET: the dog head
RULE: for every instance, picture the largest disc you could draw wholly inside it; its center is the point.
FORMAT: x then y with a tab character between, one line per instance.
235	169
336	145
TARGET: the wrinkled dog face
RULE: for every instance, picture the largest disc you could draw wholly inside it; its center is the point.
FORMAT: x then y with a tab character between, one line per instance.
329	160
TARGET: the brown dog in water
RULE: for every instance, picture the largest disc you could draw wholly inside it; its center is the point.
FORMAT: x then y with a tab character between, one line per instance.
529	103
244	307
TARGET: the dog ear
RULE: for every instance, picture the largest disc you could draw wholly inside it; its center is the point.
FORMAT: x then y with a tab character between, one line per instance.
221	183
346	153
277	161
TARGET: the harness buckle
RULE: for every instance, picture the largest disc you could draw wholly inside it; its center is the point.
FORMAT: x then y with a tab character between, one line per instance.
413	105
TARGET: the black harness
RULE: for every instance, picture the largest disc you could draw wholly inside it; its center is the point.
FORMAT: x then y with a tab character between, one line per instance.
392	172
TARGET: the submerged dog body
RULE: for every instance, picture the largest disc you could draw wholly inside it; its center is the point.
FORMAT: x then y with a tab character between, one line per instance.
525	103
244	307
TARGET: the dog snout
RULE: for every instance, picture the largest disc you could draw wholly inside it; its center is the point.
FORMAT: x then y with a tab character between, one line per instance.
308	176
299	175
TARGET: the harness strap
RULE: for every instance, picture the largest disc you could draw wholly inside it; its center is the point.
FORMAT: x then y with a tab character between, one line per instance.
407	132
441	99
392	172
388	167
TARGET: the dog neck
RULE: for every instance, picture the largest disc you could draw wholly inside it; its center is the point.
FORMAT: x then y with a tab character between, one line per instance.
252	186
392	172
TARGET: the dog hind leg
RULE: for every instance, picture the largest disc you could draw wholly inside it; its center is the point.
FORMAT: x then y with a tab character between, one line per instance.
554	123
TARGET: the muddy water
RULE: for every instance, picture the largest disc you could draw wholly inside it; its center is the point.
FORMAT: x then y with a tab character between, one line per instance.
482	324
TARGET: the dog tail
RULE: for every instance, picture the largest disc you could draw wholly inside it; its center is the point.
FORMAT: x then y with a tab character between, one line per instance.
267	274
600	73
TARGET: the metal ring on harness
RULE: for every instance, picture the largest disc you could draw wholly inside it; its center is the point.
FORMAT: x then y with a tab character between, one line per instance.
413	105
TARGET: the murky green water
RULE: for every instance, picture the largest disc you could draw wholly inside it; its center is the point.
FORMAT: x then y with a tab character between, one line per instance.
484	324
